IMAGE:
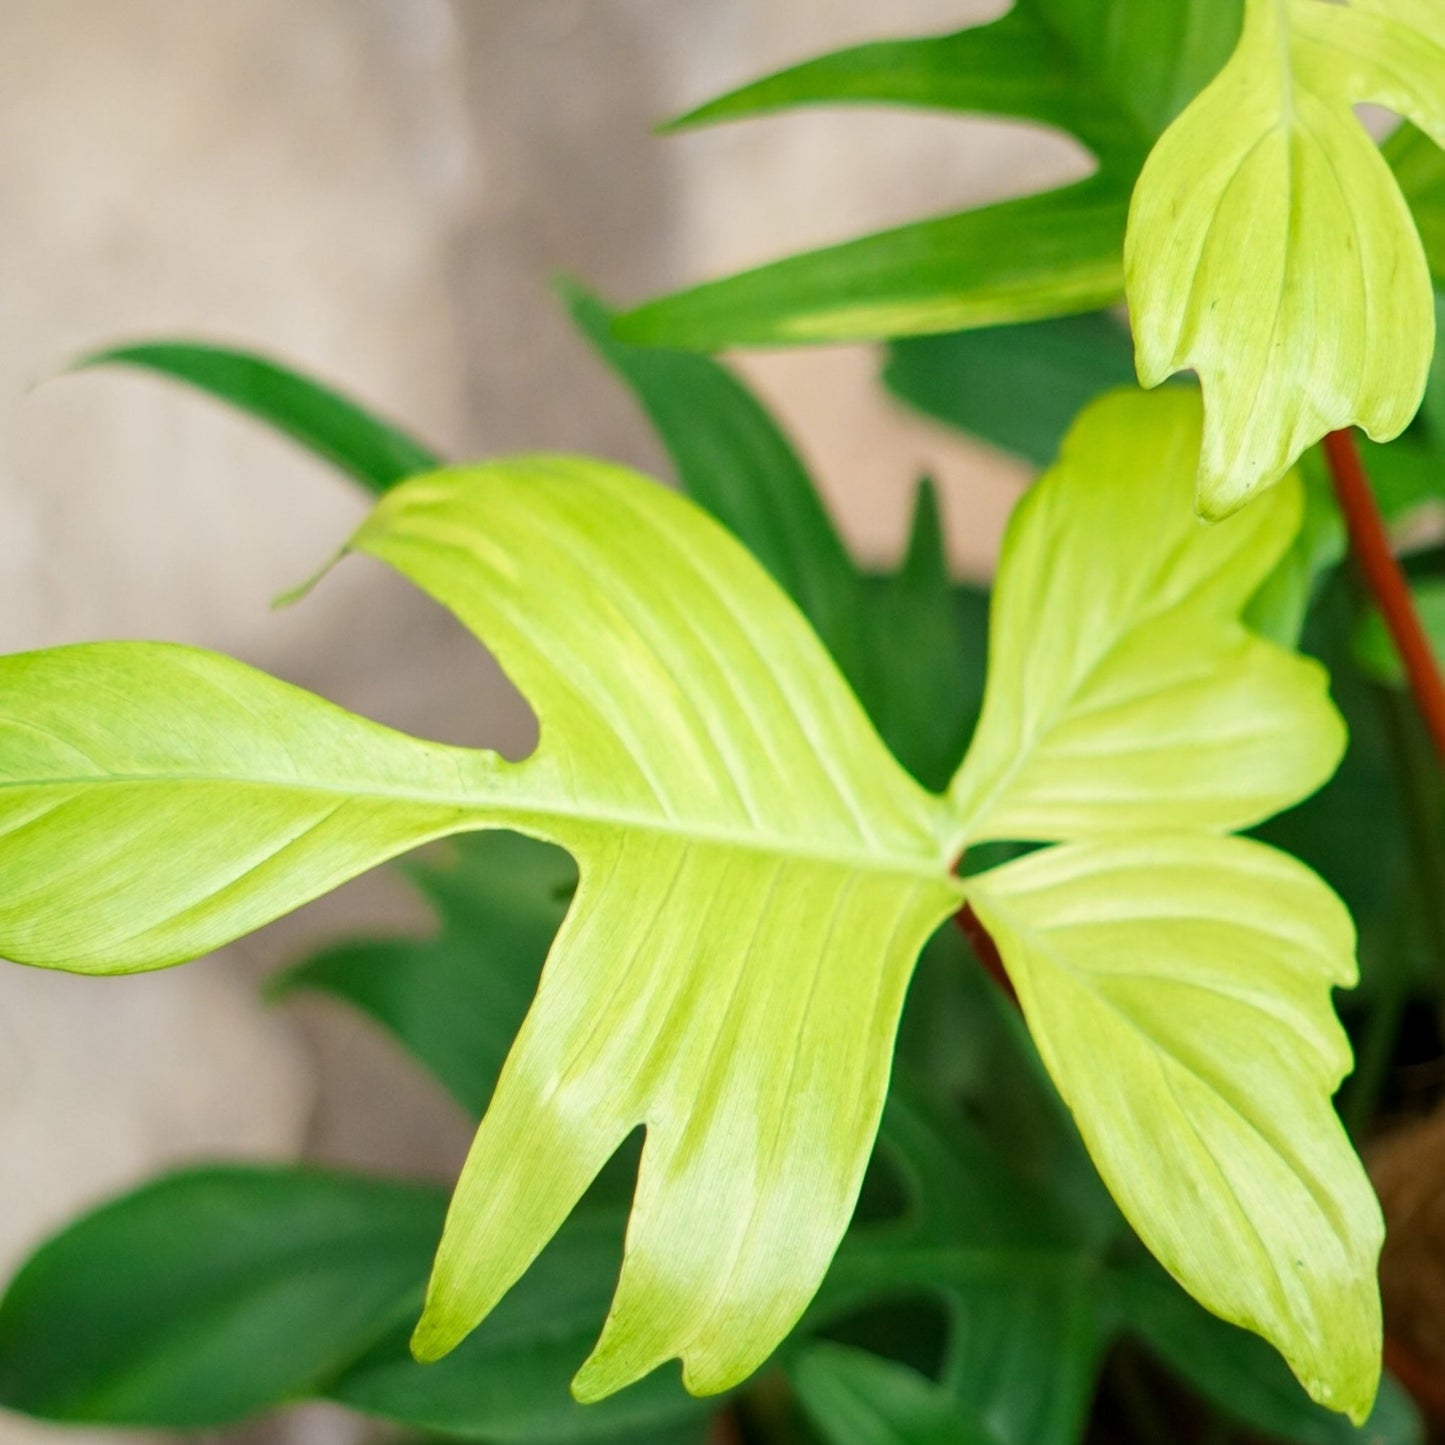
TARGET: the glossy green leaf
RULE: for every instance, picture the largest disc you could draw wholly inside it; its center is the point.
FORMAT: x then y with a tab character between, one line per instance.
508	1382
1241	1377
1126	694
1223	1053
1019	260
457	999
374	452
1270	248
1114	81
856	1398
207	1296
1374	648
1016	387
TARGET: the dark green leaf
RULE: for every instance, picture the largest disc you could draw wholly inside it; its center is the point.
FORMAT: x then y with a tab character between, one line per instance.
1016	387
509	1381
1241	1375
206	1296
1018	1279
1021	260
1420	168
375	453
929	652
1114	75
856	1398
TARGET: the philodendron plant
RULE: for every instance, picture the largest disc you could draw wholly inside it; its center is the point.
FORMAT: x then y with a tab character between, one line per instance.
752	758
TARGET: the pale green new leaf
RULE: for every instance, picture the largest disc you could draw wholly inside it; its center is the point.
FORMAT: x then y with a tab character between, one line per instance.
1125	693
1270	248
757	877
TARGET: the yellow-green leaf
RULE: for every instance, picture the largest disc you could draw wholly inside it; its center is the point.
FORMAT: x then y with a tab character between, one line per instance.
1178	986
1270	248
1124	693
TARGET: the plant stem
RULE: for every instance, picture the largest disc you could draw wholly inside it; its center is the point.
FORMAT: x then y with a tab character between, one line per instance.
986	950
1385	579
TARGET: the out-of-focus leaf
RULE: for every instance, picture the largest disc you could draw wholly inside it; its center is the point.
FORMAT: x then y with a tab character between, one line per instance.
206	1296
508	1382
1374	649
1014	1273
856	1398
1020	260
1241	1376
1279	609
374	452
1113	79
1017	387
456	1000
1419	166
929	645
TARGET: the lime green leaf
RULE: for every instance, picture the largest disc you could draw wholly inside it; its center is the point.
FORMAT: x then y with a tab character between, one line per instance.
374	452
1212	1124
159	801
1017	387
1016	261
730	805
764	824
457	999
1375	649
207	1296
1125	693
856	1398
1241	1377
757	874
1114	79
1270	248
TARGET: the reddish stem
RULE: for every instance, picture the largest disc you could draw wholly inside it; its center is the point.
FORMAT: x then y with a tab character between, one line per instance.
981	940
1370	545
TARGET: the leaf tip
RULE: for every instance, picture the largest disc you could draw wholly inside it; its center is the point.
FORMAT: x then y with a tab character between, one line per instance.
303	589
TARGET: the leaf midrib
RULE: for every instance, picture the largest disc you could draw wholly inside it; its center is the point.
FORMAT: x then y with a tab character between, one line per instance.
519	809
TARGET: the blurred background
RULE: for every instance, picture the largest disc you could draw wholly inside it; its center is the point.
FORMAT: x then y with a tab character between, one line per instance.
379	192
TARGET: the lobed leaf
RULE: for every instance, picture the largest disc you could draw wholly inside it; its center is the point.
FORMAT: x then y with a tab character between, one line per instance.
374	452
1270	248
1126	694
757	875
1201	967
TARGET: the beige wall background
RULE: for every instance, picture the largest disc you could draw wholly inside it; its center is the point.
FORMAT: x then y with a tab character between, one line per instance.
377	190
